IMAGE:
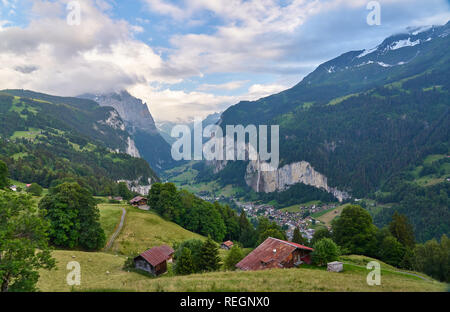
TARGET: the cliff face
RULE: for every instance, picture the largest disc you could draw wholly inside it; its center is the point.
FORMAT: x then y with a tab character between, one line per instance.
133	111
145	140
282	178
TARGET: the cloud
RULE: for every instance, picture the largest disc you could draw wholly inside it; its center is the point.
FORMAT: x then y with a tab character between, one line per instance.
279	40
99	55
179	105
228	86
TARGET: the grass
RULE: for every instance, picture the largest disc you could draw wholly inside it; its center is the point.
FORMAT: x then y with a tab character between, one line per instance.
145	229
32	133
329	215
109	217
318	214
94	277
342	99
431	179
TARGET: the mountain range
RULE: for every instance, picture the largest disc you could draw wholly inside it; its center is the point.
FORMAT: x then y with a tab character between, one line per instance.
47	139
359	119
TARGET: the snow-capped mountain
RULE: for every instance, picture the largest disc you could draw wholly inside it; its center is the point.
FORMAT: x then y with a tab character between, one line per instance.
396	50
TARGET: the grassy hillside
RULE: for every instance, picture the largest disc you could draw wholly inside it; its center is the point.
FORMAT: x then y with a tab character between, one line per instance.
103	271
329	215
142	229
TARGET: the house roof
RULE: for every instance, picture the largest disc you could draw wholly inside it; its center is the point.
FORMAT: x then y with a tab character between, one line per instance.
228	243
271	252
137	199
157	255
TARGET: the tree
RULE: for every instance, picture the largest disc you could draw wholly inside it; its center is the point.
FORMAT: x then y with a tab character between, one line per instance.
325	251
24	246
4	181
321	232
247	235
354	231
298	237
195	246
392	251
74	217
209	256
35	189
268	229
433	258
402	230
234	256
124	192
184	264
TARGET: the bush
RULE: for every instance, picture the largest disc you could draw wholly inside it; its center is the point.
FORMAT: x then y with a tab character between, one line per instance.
325	251
35	189
234	256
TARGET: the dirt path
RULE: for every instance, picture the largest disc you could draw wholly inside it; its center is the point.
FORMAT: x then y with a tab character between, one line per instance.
116	233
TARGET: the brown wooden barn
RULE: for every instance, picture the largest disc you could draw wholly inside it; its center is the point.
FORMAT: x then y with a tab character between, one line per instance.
276	253
138	201
154	260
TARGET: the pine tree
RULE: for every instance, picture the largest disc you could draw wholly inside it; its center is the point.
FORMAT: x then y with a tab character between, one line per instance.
184	264
3	175
402	230
234	256
209	256
298	237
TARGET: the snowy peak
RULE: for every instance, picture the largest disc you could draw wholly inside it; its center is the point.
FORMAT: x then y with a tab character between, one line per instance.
396	50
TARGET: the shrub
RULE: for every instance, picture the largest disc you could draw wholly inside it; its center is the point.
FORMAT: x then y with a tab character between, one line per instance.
234	256
325	251
35	189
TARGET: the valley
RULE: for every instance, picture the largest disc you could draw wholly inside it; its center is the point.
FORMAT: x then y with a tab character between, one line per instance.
363	176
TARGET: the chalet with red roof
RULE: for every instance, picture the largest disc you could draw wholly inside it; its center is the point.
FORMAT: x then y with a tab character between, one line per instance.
227	245
276	253
154	260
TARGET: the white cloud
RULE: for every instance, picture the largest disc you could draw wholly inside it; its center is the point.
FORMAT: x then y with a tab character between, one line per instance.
228	86
251	36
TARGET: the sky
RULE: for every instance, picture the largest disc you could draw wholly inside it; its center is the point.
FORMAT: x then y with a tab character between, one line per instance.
189	58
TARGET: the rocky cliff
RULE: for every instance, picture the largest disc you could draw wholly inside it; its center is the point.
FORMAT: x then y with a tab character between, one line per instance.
145	140
133	111
282	178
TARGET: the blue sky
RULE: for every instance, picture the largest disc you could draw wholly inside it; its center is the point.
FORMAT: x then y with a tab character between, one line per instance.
191	58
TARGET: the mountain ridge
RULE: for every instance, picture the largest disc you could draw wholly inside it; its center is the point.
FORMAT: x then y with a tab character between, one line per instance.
140	124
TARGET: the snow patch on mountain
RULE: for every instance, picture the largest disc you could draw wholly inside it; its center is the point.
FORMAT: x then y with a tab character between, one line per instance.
366	52
404	43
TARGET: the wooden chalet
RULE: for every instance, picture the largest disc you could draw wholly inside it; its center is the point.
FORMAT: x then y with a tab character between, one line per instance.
138	201
276	253
154	260
227	245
